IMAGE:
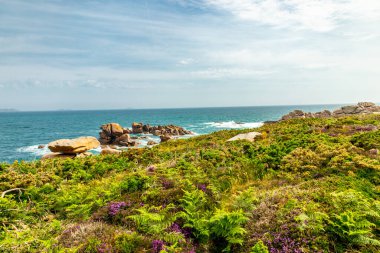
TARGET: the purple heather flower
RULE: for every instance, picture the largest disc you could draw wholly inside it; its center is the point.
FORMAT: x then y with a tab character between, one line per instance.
175	228
104	248
157	246
115	207
151	168
202	187
186	232
167	184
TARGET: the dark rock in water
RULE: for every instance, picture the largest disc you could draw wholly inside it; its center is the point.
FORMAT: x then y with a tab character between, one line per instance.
360	108
41	146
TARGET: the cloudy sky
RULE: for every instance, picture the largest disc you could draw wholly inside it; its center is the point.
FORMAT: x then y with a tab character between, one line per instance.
89	54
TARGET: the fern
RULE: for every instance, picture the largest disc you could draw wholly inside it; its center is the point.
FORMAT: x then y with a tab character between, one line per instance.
246	200
155	221
353	228
259	248
228	225
194	215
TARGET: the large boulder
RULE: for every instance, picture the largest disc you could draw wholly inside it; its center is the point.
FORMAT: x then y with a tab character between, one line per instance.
248	136
110	132
123	140
74	146
112	129
137	128
110	151
350	109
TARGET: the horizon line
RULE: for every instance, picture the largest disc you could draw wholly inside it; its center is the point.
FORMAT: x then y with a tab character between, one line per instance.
13	110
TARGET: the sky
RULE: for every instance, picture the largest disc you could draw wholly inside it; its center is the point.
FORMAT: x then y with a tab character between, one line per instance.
115	54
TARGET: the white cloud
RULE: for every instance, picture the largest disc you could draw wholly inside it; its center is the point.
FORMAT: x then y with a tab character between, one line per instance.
221	73
186	61
316	15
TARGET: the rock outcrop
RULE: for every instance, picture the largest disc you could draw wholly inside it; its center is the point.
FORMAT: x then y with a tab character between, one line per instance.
114	134
56	155
247	136
360	108
74	146
139	128
110	151
110	132
151	143
165	138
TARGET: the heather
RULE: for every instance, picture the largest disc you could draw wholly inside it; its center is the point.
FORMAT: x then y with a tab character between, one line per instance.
305	185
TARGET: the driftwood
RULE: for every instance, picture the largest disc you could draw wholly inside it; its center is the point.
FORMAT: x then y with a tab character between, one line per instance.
12	190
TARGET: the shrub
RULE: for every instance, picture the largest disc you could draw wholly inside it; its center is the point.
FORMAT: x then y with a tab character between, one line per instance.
259	248
129	242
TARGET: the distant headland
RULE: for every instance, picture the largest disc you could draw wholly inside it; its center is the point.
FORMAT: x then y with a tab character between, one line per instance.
8	110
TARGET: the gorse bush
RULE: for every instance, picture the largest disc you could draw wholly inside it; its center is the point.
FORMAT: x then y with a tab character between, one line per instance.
307	185
367	141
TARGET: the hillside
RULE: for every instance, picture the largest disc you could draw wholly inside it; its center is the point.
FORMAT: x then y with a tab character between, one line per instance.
306	185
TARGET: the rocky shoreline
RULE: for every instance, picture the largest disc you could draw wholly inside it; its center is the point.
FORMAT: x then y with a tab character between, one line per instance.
349	110
113	137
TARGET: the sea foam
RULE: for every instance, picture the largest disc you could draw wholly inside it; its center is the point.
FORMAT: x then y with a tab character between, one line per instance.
235	125
34	150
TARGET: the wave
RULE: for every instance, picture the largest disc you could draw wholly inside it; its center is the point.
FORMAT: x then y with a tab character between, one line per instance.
234	125
34	150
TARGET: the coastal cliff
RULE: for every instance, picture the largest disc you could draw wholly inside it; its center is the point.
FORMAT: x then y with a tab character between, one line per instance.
305	184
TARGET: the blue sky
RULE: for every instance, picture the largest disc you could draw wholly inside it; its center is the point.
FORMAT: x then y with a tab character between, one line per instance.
69	54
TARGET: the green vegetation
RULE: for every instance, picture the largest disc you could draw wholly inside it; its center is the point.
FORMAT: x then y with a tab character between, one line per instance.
308	185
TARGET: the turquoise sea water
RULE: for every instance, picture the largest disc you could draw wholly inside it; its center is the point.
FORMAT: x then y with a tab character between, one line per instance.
22	132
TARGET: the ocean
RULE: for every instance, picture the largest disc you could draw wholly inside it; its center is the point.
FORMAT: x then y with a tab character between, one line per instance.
23	132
